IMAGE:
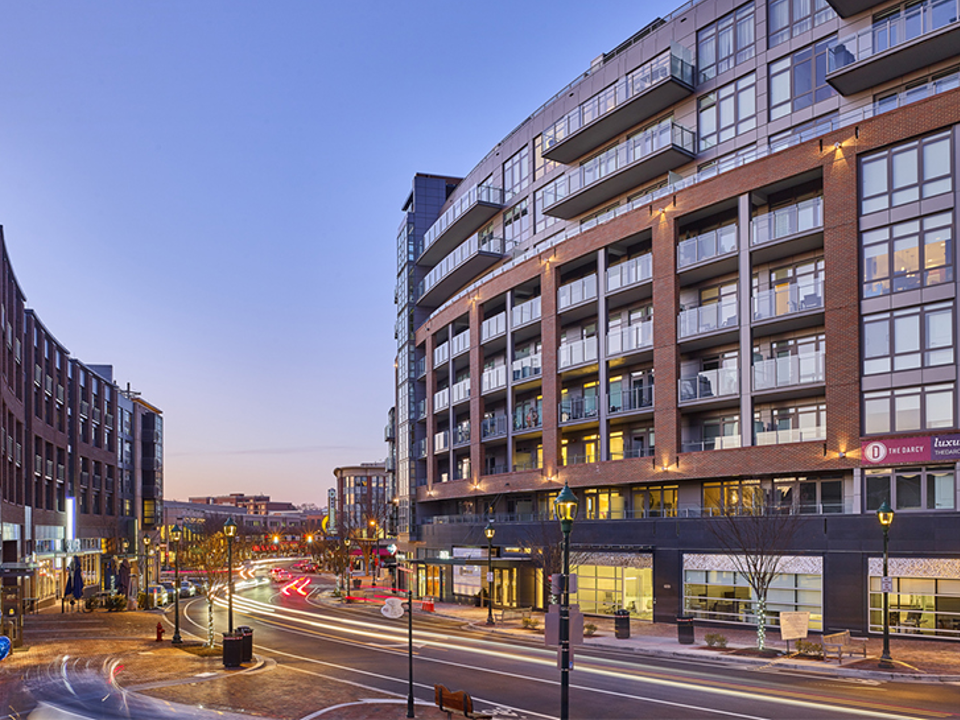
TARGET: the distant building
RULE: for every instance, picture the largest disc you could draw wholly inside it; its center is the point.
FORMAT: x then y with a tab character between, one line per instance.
365	498
253	504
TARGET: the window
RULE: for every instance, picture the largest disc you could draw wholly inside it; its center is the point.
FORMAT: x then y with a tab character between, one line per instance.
906	173
930	488
908	339
516	223
799	80
908	255
728	111
804	131
605	504
654	501
516	172
726	42
789	18
541	165
925	407
544	222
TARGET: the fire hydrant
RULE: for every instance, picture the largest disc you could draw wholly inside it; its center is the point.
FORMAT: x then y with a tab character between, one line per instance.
159	632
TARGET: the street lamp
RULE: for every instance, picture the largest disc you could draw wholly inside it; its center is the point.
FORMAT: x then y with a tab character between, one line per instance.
565	507
885	516
489	531
146	570
175	535
230	530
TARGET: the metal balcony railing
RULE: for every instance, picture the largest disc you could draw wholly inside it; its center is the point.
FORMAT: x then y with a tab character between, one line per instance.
578	408
788	299
637	398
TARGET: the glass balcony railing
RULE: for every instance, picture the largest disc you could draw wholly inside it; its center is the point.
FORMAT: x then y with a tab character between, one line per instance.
638	398
493	427
441	399
420	448
707	245
526	312
441	441
710	384
529	366
789	220
913	22
494	378
578	408
629	339
631	272
577	353
791	435
721	442
788	371
631	453
461	433
461	343
477	194
468	250
707	318
655	71
421	409
421	367
460	392
788	299
441	354
493	326
577	292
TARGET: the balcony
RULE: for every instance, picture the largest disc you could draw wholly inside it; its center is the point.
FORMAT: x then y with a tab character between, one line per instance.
527	312
577	353
788	230
636	452
650	89
389	433
789	299
849	8
460	392
918	36
638	398
629	273
472	258
441	441
708	384
421	409
421	366
461	433
467	215
630	164
791	435
721	442
441	400
493	378
707	246
494	326
708	319
493	427
577	292
578	408
420	448
461	343
441	354
630	339
785	372
528	367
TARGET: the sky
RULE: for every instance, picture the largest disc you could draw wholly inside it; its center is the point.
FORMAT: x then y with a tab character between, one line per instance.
206	196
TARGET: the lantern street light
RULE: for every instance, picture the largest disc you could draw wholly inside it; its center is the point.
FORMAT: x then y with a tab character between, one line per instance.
230	530
885	516
175	535
146	569
489	531
565	507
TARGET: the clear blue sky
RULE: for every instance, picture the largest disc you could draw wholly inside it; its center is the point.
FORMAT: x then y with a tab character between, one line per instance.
206	195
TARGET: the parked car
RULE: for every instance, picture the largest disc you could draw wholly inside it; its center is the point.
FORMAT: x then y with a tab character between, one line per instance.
156	596
171	590
187	589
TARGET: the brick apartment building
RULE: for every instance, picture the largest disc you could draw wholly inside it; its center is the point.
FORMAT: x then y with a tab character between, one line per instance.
716	269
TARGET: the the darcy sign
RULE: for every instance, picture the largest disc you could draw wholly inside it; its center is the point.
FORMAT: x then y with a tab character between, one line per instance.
911	450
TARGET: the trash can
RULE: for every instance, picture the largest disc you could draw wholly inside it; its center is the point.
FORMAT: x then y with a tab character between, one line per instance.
357	582
246	635
621	624
232	650
685	629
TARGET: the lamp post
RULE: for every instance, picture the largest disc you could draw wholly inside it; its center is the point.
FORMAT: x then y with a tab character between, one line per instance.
146	570
175	535
230	530
885	516
489	531
565	507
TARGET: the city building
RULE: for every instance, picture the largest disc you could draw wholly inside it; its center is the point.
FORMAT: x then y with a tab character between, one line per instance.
82	460
715	271
253	504
365	500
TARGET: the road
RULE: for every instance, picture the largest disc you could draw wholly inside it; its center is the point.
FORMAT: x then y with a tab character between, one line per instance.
519	680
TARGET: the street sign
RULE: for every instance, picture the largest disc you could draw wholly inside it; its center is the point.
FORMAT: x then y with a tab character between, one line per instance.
392	608
886	584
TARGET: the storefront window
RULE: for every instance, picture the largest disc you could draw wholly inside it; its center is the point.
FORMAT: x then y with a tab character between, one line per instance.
918	606
603	589
910	488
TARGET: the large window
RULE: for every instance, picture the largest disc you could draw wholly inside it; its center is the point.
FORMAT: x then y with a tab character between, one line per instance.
918	488
726	42
924	407
516	172
516	223
908	339
800	80
728	111
789	18
603	589
541	165
906	173
918	604
907	256
652	501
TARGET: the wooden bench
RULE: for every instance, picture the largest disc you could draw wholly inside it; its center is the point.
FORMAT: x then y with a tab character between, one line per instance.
456	702
840	643
514	613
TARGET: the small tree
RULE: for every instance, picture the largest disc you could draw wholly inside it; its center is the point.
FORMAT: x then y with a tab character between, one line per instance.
207	553
756	535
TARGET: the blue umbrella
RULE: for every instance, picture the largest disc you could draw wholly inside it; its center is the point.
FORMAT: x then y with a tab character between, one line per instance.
77	578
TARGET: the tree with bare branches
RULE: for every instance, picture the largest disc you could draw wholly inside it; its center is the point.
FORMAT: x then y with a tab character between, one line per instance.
206	552
756	535
545	543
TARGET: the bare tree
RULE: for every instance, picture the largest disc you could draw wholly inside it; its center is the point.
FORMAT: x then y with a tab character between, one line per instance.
756	535
545	542
207	553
